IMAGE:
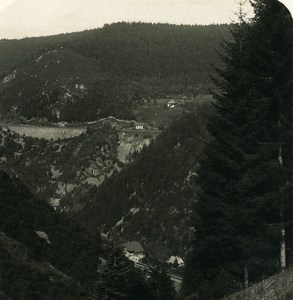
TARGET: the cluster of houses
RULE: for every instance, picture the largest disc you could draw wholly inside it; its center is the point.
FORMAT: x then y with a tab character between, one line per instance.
134	252
175	261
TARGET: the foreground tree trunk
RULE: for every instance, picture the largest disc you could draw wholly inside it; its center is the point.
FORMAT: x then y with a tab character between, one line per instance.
245	277
282	224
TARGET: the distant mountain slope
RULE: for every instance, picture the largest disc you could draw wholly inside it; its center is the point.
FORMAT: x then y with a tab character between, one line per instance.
106	71
16	53
48	85
64	66
45	238
155	50
152	198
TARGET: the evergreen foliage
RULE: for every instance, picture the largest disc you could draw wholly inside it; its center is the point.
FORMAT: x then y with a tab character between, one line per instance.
118	66
241	177
120	280
69	247
29	278
116	278
161	284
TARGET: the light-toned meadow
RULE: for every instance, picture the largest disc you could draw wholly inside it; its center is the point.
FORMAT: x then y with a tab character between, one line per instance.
47	132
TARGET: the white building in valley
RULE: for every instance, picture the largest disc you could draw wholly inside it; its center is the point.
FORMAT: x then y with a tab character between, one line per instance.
176	260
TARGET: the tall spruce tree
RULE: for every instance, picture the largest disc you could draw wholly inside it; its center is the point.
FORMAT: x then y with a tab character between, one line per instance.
121	280
161	284
211	266
116	279
267	136
248	166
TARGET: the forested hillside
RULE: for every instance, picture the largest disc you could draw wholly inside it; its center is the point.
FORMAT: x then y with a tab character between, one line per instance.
42	253
46	255
105	71
59	169
63	171
151	199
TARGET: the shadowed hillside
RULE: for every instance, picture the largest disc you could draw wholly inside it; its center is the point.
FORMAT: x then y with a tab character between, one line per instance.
37	245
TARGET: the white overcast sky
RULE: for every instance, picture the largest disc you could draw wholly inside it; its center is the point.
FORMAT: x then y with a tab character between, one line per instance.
20	18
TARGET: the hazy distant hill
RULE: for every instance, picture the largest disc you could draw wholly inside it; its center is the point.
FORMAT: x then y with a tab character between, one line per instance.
105	71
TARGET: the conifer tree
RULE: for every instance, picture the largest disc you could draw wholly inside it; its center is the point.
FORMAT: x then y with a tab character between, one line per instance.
116	278
266	136
216	238
161	284
247	164
120	280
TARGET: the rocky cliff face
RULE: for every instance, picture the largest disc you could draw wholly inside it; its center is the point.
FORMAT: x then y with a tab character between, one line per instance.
129	144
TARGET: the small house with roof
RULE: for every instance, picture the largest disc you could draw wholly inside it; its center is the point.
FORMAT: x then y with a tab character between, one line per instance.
139	126
171	104
133	251
176	260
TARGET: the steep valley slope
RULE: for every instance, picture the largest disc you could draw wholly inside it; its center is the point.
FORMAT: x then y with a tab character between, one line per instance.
63	171
115	185
151	200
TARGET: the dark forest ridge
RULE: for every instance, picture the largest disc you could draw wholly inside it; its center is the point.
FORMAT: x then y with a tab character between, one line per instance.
15	47
113	69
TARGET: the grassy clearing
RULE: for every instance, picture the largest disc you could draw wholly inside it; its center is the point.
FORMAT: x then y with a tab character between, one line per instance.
159	117
47	133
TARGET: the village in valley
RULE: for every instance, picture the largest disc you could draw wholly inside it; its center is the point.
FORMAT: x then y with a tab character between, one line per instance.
134	252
